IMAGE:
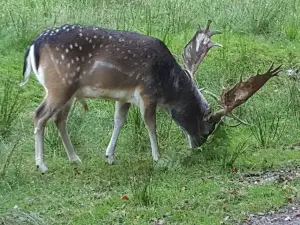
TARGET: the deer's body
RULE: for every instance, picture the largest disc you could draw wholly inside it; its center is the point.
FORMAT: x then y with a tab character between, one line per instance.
89	62
129	68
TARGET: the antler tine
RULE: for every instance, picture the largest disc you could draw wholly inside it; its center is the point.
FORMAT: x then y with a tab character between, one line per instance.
229	125
238	119
212	44
272	71
207	26
271	67
213	32
215	97
276	70
208	32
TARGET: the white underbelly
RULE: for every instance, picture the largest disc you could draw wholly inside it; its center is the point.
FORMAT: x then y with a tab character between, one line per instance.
127	95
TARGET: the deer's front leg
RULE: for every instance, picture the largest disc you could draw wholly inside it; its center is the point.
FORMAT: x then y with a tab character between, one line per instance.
148	112
121	110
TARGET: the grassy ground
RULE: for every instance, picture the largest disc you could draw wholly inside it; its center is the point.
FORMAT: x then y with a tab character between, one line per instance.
185	186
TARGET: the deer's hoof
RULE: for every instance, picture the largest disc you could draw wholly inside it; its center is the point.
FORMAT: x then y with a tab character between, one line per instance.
42	167
110	159
76	159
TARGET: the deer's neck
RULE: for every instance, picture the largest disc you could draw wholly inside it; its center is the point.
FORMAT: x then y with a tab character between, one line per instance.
185	103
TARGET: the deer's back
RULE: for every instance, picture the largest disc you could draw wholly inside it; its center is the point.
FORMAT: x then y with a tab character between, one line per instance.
81	57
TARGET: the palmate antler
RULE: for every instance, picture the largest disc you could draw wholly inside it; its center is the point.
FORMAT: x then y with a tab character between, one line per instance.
232	115
233	97
193	54
197	48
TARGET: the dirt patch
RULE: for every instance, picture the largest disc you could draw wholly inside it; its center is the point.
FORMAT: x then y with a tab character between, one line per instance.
281	176
289	215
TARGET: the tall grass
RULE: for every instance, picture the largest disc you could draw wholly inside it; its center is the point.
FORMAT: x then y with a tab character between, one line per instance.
11	104
255	32
164	19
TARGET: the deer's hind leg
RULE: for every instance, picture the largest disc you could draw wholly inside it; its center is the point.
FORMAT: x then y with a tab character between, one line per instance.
52	105
60	120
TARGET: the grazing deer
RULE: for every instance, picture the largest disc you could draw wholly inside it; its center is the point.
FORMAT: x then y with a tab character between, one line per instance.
77	62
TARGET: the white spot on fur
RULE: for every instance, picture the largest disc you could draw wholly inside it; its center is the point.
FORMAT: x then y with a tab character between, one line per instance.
76	44
95	36
67	50
90	55
77	58
57	49
71	46
72	61
80	34
78	68
68	65
82	58
94	46
62	56
109	37
80	48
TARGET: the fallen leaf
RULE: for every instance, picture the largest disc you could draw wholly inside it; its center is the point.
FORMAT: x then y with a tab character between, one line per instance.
234	170
125	198
289	199
297	215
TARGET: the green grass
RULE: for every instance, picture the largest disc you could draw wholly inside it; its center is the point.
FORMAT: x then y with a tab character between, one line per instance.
185	186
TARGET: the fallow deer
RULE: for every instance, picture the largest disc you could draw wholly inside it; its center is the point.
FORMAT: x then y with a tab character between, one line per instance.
78	62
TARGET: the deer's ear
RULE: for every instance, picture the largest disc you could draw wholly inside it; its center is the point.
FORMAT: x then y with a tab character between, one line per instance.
197	48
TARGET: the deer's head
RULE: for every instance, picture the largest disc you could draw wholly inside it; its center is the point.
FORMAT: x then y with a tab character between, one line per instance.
193	54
